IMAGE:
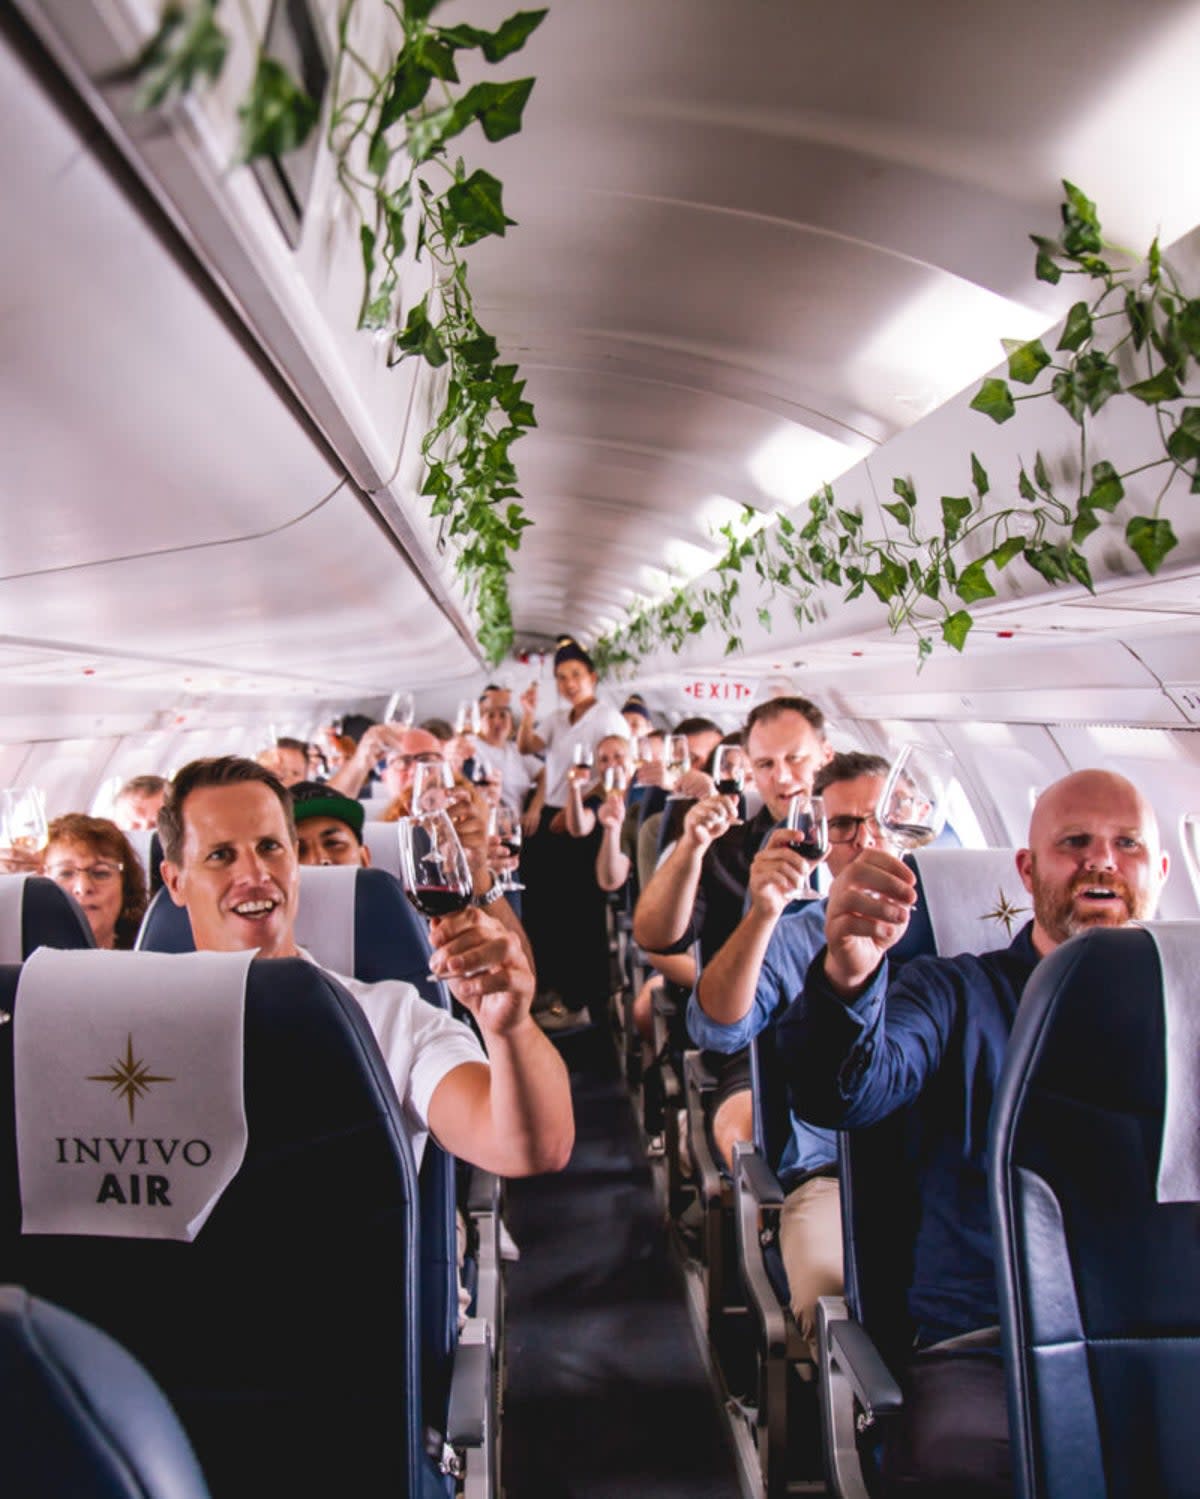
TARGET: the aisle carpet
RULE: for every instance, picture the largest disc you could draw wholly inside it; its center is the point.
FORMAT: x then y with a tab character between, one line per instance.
606	1392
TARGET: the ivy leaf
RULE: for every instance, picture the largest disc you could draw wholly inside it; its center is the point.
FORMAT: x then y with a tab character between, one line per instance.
924	650
433	54
1064	391
1151	540
888	581
431	131
1085	524
199	52
497	107
512	35
418	336
407	89
1046	268
1081	226
1137	315
764	619
994	399
979	477
1048	560
379	155
1092	380
1024	487
899	512
1160	387
955	509
904	489
849	519
1188	325
276	115
1078	569
1155	263
1078	328
1026	361
974	584
1041	477
956	628
1002	555
418	10
1107	490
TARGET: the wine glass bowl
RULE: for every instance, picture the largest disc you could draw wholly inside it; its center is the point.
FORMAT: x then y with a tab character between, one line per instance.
912	805
23	825
729	769
807	822
400	710
433	865
677	757
432	783
505	824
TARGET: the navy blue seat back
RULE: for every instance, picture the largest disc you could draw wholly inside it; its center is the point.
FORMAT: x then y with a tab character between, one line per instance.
286	1335
165	927
50	917
1099	1282
79	1416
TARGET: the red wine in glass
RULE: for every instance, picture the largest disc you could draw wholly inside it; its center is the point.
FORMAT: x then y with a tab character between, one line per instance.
439	900
729	786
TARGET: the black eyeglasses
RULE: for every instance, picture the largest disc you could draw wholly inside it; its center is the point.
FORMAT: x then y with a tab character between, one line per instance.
845	829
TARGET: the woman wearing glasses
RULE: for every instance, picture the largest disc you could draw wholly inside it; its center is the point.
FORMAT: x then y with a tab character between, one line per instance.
92	860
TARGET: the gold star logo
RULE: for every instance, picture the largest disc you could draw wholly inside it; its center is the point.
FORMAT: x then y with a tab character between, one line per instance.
1005	911
129	1077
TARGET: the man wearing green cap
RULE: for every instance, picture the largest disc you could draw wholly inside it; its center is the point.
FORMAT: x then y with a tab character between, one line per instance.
329	825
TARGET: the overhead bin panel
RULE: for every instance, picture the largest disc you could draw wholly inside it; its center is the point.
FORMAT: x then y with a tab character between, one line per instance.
132	419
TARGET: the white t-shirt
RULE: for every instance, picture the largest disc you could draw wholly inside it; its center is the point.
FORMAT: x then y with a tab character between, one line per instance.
420	1044
561	736
517	771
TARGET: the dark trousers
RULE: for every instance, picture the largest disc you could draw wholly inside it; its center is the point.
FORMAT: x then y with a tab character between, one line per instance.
565	916
951	1438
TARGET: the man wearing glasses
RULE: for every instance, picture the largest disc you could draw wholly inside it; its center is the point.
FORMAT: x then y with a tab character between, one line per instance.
754	976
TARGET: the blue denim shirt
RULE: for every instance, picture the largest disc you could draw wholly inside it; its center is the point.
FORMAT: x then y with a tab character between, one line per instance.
935	1036
798	936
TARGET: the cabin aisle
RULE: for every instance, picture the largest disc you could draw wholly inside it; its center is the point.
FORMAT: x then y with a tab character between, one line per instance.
606	1393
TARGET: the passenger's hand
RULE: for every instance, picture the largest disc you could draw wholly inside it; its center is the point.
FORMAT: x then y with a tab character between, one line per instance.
652	773
696	783
499	858
708	820
468	813
19	860
530	819
485	966
528	699
374	744
869	906
611	811
778	875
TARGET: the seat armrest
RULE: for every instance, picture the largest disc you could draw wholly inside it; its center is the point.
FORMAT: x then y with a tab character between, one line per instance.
470	1394
698	1082
483	1192
757	1177
757	1200
870	1378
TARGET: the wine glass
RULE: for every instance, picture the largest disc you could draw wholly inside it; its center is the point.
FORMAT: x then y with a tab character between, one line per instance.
912	805
582	760
729	769
400	709
806	818
23	826
467	718
432	782
433	866
505	824
678	757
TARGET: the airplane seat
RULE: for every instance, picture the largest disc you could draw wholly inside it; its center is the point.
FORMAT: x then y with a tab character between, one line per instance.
146	845
383	844
968	900
286	1333
35	912
80	1416
1095	1192
165	927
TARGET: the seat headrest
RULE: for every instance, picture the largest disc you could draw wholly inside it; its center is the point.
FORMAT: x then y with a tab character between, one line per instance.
35	912
80	1415
1178	948
165	927
325	915
969	900
383	844
128	1090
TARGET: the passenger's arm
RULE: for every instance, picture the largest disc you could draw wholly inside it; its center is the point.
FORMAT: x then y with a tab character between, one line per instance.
352	776
727	986
469	814
532	815
580	819
665	905
612	864
513	1117
529	742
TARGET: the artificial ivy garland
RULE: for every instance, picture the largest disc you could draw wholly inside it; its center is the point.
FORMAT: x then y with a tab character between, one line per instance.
927	580
389	132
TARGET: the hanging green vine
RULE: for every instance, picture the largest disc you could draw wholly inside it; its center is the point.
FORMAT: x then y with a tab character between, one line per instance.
929	580
389	131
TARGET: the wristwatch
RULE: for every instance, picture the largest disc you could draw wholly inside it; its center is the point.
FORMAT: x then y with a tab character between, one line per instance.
492	895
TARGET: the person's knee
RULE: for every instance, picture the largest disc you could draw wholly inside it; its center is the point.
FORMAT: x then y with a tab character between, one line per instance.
733	1121
643	1008
810	1241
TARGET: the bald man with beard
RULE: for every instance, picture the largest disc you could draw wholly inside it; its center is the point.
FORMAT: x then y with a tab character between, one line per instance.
858	1048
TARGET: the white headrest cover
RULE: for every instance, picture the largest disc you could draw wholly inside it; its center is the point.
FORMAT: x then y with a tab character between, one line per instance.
12	903
128	1086
325	917
1178	944
383	842
975	898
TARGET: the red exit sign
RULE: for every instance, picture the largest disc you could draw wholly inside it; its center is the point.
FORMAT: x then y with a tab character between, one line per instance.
718	690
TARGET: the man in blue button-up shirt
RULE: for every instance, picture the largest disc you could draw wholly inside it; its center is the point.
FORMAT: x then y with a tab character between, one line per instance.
752	978
858	1048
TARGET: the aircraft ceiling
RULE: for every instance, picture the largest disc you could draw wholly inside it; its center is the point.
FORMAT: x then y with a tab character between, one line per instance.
756	244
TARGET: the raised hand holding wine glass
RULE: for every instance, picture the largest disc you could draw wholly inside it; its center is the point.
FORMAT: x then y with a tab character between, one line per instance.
912	804
807	822
433	864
